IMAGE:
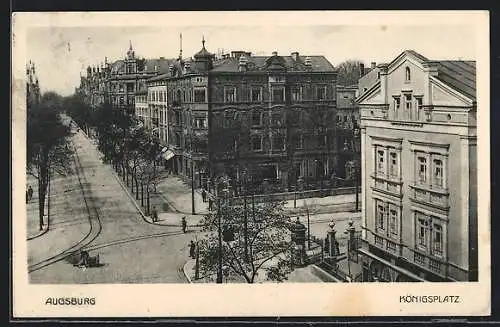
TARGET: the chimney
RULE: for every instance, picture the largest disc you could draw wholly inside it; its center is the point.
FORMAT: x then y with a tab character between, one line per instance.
275	53
242	63
307	62
361	69
171	69
374	65
295	56
187	67
162	58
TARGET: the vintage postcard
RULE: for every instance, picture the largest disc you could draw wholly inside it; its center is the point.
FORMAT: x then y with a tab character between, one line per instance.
197	164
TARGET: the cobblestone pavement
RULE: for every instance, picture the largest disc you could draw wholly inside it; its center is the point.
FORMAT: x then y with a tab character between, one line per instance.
131	250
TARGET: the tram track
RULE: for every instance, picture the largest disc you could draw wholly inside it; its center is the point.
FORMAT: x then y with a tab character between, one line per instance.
93	218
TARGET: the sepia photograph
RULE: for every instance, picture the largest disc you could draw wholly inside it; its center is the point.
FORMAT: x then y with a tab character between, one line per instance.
304	159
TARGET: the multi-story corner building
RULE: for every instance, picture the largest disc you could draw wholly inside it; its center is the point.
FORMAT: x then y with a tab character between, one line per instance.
272	119
253	118
33	93
187	115
419	171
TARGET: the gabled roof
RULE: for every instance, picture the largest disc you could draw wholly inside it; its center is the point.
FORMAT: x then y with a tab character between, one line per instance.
459	75
258	63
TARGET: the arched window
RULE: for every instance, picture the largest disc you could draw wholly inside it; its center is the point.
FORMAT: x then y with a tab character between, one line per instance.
408	74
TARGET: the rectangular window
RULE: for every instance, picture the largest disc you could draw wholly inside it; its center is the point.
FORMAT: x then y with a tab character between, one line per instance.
256	94
230	94
296	93
278	142
438	173
321	141
276	119
199	95
437	240
278	94
299	141
321	93
391	246
422	231
397	103
380	215
200	122
435	265
408	102
380	162
379	241
393	164
256	143
256	118
422	169
419	258
393	222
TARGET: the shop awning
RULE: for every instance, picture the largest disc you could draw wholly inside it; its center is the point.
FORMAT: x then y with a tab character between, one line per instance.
167	155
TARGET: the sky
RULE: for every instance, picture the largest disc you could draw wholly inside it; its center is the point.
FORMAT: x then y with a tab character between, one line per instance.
62	51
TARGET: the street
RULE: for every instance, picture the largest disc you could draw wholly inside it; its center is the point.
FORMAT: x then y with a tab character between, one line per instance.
91	210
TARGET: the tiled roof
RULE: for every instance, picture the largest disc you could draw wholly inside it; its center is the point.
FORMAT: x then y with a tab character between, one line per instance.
459	75
258	63
161	63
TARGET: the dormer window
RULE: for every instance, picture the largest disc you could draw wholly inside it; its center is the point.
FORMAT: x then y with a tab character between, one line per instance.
408	74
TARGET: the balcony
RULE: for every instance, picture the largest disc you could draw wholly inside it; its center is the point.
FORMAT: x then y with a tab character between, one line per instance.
387	185
425	194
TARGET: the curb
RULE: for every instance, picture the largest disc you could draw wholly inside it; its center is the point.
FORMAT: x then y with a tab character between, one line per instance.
324	275
40	233
139	209
186	274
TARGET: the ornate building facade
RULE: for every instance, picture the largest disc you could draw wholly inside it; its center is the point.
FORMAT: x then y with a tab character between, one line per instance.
253	119
119	81
419	171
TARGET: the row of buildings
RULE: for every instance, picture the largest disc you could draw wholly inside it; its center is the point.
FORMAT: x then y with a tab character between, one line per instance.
249	118
284	119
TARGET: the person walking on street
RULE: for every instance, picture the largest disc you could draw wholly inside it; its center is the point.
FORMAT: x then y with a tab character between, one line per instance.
184	224
30	193
204	195
154	215
192	247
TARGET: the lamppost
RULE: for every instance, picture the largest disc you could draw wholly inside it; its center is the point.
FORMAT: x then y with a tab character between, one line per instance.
219	232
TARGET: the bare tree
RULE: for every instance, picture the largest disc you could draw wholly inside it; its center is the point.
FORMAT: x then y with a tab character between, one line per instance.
349	72
48	146
256	240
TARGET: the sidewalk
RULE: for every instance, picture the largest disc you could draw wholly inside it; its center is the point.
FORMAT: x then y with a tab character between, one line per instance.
178	195
298	275
33	220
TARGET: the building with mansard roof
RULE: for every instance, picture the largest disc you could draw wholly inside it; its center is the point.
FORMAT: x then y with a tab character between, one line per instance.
419	171
258	120
119	81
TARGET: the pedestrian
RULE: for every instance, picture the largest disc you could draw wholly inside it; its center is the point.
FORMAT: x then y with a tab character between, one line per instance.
30	193
204	195
154	215
184	224
192	247
209	204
